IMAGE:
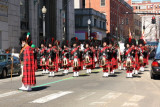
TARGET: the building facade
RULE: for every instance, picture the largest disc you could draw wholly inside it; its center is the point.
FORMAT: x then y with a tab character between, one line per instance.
137	26
147	9
9	24
59	19
97	27
118	22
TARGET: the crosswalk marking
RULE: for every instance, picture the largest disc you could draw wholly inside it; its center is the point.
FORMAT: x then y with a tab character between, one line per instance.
51	97
130	104
95	103
9	93
111	95
136	98
87	95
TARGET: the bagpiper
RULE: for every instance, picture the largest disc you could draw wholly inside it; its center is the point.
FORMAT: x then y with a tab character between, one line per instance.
135	53
42	53
97	50
88	56
65	54
75	56
104	57
113	55
128	60
27	60
51	57
144	54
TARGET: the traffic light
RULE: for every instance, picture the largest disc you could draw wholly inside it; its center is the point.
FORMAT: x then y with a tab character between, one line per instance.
153	20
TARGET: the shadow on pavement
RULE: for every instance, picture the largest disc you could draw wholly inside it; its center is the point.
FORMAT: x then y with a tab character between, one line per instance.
113	75
40	75
136	76
40	88
118	72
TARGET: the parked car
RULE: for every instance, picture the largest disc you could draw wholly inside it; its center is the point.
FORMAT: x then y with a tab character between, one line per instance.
155	66
6	63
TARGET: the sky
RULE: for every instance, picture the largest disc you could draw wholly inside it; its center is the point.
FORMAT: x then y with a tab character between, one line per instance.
151	0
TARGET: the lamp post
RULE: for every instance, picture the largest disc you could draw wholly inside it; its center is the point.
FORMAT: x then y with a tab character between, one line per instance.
44	11
117	33
89	23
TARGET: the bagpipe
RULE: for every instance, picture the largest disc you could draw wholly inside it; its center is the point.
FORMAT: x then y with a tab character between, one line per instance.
51	57
42	53
75	57
65	57
87	56
129	58
104	55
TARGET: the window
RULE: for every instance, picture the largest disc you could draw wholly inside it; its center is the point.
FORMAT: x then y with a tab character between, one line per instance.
126	21
104	25
95	22
102	2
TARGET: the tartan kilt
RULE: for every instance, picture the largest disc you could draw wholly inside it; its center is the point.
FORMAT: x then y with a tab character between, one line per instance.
41	62
28	67
68	63
114	61
90	62
79	65
53	67
108	64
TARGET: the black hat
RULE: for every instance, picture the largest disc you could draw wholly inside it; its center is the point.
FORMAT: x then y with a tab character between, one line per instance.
141	41
50	41
74	40
43	42
127	41
26	37
64	43
105	39
133	42
87	42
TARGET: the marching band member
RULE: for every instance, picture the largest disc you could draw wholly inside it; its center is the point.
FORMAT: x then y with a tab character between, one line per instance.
27	60
113	57
135	55
51	57
75	56
144	54
104	56
128	59
88	56
42	52
97	50
65	56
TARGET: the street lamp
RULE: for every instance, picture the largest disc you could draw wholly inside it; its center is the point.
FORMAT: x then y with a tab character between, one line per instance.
44	11
117	33
89	23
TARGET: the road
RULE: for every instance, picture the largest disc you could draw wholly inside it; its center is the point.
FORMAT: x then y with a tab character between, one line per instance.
85	91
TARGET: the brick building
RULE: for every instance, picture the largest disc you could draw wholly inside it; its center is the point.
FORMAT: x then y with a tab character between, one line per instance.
118	23
145	6
151	31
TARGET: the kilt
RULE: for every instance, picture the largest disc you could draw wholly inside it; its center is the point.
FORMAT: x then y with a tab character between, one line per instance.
41	62
68	63
79	65
88	65
28	67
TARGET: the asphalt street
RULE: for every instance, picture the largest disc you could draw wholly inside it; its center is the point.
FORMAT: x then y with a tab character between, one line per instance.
85	91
